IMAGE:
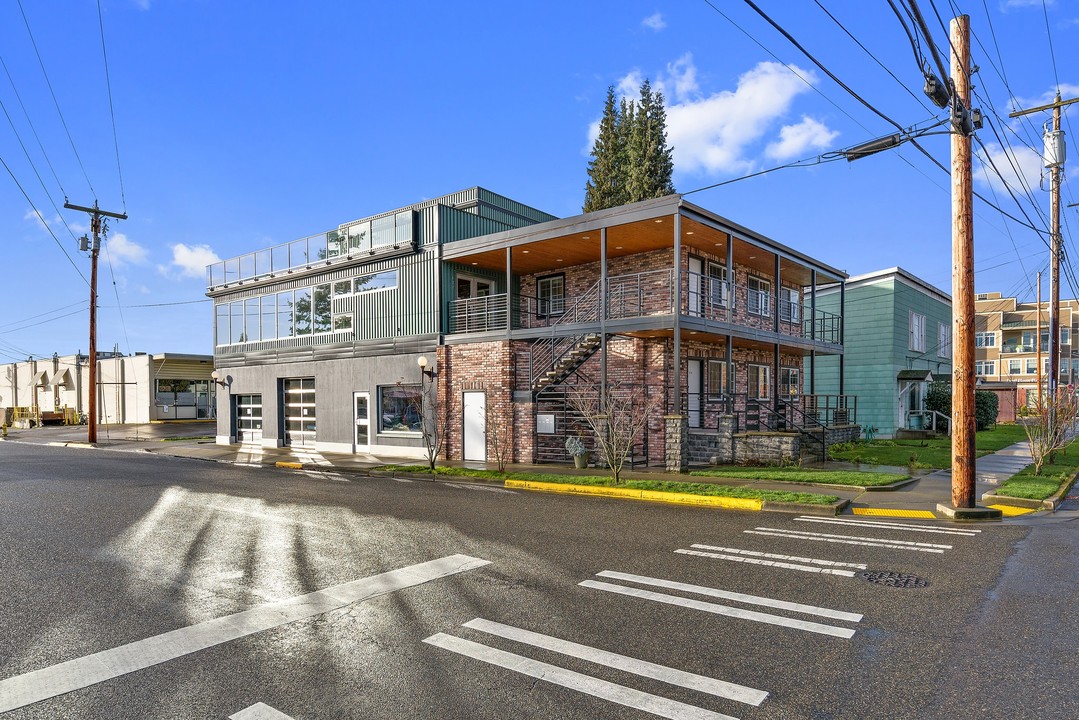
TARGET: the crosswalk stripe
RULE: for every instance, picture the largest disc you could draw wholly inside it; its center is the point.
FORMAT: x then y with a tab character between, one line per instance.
910	543
735	596
726	610
620	694
888	526
719	688
863	543
259	711
774	556
32	687
481	487
769	563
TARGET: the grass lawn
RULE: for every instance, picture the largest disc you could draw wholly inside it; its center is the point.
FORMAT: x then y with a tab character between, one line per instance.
931	453
1025	484
692	488
806	475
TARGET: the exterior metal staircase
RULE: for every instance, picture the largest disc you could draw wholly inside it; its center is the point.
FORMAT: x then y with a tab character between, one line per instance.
555	359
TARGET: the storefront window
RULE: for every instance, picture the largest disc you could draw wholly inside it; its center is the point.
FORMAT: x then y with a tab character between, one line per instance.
399	408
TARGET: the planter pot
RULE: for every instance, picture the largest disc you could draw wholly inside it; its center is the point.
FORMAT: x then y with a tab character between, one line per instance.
580	461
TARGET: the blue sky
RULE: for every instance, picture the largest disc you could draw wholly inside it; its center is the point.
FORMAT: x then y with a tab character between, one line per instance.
241	126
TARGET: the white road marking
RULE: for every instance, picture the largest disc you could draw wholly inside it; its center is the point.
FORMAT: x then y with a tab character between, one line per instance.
21	690
259	711
851	540
770	563
716	609
794	558
888	526
404	480
628	697
719	688
735	596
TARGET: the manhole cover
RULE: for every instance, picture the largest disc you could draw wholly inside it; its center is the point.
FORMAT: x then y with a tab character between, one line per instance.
893	579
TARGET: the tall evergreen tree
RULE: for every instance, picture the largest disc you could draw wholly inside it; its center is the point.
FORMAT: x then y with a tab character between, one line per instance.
630	159
606	185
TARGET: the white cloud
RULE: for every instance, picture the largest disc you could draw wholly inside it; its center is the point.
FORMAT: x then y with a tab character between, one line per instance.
795	140
190	261
1067	90
654	22
681	79
1012	4
123	251
630	85
712	134
1028	162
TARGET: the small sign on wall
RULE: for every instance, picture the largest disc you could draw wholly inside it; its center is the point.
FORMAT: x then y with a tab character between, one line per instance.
545	423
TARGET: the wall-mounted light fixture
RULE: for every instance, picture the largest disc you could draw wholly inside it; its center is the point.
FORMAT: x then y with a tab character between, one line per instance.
422	362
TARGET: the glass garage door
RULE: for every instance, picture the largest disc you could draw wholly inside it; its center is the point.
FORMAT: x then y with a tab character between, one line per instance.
249	418
299	410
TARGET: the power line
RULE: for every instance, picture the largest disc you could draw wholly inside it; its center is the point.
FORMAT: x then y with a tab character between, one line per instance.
42	219
54	100
47	312
31	124
115	290
1052	54
112	113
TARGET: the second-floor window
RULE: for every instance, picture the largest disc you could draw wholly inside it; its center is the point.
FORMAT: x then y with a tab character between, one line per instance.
716	289
985	339
1032	366
985	367
1014	367
551	294
759	297
944	340
917	332
790	307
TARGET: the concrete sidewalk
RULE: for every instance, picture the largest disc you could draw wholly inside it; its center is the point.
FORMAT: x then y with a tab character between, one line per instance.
917	499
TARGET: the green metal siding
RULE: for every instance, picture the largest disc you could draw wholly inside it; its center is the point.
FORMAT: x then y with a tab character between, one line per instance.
876	347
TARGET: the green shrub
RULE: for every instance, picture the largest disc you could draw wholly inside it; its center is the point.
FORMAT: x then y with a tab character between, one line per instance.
986	404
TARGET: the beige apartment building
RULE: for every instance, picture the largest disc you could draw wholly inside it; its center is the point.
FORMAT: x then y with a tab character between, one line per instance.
1008	334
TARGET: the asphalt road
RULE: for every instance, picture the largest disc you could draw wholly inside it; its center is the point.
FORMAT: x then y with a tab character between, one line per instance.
104	550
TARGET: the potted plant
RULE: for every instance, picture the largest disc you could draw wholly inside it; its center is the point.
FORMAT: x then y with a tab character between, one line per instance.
576	448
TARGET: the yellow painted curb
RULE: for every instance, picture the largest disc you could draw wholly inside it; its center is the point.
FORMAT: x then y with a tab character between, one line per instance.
635	494
884	512
1011	510
286	464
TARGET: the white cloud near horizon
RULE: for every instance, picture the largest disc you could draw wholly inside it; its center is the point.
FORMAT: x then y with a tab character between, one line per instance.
123	251
1028	162
190	261
721	133
655	22
713	134
796	140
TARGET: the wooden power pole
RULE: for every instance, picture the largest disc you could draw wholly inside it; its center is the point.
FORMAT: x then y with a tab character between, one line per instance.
1054	160
963	424
1038	335
95	226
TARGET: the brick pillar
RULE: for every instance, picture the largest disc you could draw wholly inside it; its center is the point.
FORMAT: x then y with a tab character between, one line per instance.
676	453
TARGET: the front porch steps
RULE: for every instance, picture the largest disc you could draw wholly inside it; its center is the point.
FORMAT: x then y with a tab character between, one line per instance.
568	363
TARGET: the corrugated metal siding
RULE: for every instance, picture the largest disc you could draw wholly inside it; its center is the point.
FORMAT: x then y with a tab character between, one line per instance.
409	309
461	225
513	206
470	195
336	351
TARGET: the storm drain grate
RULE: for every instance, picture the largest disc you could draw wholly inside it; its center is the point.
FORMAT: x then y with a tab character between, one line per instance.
893	579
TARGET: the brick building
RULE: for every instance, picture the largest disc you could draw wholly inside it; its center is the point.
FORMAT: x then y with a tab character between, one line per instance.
515	314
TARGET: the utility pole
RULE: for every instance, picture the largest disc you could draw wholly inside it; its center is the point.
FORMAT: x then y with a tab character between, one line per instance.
1038	335
963	423
95	226
1054	160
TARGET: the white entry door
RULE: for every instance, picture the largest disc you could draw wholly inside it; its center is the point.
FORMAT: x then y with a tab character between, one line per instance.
475	442
693	393
361	401
695	271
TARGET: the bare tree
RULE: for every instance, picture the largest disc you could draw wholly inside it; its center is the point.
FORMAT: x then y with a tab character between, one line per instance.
1050	431
499	430
433	418
617	417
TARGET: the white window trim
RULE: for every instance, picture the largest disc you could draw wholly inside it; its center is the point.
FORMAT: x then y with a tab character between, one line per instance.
916	339
764	306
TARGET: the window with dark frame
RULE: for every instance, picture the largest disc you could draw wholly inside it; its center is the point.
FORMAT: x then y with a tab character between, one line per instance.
716	387
551	294
759	296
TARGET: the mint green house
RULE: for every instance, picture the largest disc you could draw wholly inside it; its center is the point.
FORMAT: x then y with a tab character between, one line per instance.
897	338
